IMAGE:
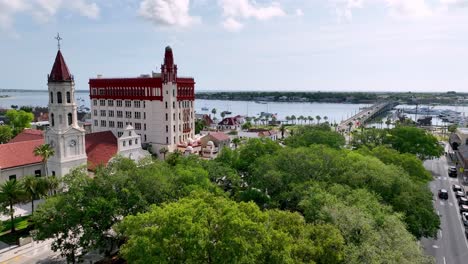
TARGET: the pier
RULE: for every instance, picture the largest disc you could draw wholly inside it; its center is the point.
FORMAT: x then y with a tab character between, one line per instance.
365	116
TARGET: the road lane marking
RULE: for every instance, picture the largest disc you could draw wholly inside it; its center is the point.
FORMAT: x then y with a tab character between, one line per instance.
444	260
451	204
440	231
441	203
435	246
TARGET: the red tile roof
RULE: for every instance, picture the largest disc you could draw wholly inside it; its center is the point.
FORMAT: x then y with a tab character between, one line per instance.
100	148
60	72
28	135
229	121
19	153
220	136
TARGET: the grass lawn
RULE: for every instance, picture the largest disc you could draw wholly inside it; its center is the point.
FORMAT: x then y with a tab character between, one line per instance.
21	226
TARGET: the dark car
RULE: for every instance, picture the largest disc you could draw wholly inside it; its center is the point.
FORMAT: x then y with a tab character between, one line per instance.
456	188
463	208
464	218
452	172
459	194
462	200
443	194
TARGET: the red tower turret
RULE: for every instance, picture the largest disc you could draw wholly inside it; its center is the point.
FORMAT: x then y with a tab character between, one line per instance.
169	69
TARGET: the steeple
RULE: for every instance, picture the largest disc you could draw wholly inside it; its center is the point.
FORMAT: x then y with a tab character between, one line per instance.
169	69
60	72
168	57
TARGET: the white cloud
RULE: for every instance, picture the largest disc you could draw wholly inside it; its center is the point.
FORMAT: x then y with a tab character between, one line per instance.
43	10
8	8
233	25
344	8
248	9
168	13
299	12
235	10
454	3
409	9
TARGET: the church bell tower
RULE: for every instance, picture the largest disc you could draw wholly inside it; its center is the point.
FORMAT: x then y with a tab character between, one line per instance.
63	134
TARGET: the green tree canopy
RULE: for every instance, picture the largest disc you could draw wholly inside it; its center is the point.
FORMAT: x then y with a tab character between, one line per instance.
416	141
307	135
19	120
6	133
204	228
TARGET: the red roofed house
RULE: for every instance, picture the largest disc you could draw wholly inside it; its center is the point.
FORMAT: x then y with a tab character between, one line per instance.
229	123
72	147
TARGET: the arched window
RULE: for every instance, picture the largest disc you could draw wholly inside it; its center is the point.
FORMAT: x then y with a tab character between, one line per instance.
68	97
52	121
70	119
59	97
51	97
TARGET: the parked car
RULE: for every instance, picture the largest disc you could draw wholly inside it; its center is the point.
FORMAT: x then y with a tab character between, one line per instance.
457	188
443	194
463	208
462	200
459	194
452	172
464	218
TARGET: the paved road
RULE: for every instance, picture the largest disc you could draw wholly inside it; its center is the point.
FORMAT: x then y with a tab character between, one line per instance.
451	247
37	252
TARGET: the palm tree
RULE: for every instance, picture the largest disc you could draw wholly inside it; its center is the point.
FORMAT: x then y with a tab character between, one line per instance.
388	122
288	118
11	193
325	118
213	111
165	150
52	183
45	151
34	188
318	119
301	118
282	129
293	118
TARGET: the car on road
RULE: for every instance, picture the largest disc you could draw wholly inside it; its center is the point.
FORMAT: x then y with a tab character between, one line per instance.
443	194
464	218
457	188
459	194
452	172
462	200
463	208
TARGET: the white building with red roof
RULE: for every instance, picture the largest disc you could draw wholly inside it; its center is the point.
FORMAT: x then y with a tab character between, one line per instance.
159	106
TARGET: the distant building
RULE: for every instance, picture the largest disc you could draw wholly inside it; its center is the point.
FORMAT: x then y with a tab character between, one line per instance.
213	143
259	133
160	107
230	123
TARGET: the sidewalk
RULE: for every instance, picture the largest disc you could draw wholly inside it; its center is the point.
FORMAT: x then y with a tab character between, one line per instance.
22	209
35	252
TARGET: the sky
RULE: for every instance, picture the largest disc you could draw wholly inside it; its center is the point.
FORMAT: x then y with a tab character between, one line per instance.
237	45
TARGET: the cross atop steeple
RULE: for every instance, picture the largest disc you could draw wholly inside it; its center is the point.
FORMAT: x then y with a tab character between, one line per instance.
58	38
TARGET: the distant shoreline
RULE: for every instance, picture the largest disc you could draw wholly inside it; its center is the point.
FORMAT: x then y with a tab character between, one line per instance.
263	97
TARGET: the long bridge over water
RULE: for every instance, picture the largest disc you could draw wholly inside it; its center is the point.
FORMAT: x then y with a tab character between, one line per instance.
365	116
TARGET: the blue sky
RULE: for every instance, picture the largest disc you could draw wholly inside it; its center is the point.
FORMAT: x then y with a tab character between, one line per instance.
307	45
